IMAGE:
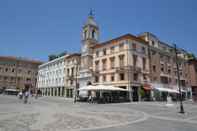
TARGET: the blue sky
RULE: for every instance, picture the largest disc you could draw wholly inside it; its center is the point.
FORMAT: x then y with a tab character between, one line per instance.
37	28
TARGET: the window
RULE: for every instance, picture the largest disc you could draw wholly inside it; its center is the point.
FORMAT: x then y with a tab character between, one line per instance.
155	78
13	70
154	68
134	60
104	51
169	71
144	77
68	72
135	77
93	34
170	80
161	57
134	46
112	49
11	78
153	43
144	50
112	77
121	75
6	69
85	34
72	71
104	64
28	79
96	79
97	65
5	78
153	52
162	67
121	60
121	47
97	53
144	63
104	78
29	72
164	80
112	62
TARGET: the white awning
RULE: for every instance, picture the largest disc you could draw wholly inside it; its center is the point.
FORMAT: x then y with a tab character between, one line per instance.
102	88
11	90
167	90
160	87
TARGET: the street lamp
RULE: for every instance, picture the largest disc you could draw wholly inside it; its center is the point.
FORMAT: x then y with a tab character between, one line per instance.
178	75
76	81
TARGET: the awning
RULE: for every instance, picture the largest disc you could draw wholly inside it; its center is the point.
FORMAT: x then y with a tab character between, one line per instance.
102	88
177	88
167	90
147	87
160	87
11	90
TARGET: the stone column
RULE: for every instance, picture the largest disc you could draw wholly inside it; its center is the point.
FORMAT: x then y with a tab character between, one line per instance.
50	91
57	91
65	92
42	91
54	91
61	91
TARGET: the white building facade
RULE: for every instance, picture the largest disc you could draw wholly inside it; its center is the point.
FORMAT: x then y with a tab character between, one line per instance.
51	77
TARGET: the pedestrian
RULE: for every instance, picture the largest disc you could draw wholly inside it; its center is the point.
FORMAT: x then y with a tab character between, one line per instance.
20	95
89	99
26	97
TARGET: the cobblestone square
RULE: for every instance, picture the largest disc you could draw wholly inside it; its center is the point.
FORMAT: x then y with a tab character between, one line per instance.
60	114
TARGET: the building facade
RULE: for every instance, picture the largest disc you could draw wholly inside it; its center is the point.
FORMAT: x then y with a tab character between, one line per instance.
193	77
163	70
122	62
51	77
133	62
57	77
141	64
18	73
72	66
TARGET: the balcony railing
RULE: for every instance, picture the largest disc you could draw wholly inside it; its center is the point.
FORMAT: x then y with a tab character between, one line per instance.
129	68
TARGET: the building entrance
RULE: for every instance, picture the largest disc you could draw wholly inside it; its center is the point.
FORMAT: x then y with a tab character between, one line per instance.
135	93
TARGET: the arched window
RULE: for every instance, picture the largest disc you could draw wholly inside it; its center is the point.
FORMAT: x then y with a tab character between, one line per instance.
85	34
89	83
93	34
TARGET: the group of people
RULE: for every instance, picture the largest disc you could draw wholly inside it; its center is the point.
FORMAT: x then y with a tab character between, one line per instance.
91	99
26	94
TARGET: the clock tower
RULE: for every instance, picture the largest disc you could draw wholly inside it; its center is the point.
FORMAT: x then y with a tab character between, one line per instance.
90	36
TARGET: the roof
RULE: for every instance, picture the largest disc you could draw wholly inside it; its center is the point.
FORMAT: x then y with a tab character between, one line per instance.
73	55
13	58
54	60
91	21
126	36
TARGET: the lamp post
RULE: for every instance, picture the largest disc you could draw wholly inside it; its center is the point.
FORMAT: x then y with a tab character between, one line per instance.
76	81
129	72
178	75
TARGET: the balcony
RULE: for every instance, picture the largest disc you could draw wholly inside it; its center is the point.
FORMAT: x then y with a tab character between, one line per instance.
129	68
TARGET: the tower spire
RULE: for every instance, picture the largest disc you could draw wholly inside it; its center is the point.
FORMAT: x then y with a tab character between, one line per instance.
91	13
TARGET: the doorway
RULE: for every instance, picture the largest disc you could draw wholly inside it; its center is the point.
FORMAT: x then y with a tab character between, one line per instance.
135	93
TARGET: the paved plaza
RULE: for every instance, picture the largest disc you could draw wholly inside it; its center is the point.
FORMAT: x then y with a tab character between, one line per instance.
60	114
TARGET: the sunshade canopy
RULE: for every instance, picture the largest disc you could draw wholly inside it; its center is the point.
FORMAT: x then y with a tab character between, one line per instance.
102	88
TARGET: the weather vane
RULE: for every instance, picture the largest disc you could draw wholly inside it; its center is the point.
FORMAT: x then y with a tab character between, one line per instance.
91	12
